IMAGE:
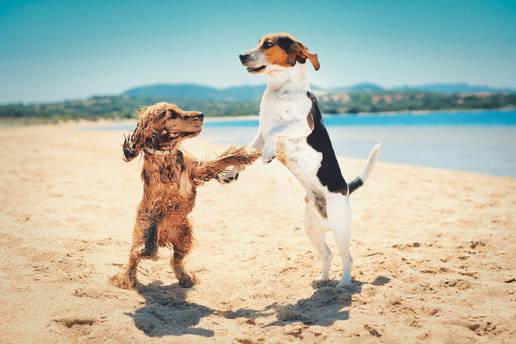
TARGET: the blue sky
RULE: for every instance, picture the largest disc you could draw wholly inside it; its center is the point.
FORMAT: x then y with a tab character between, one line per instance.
53	50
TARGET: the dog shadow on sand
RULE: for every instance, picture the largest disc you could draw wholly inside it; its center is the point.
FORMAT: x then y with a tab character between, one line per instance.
166	311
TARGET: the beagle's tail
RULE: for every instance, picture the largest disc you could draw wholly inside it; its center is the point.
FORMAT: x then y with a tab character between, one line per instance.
366	169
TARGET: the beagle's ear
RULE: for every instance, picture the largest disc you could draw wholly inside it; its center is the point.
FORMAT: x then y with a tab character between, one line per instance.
305	53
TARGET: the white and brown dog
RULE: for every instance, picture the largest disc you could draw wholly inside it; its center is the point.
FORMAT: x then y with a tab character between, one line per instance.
291	128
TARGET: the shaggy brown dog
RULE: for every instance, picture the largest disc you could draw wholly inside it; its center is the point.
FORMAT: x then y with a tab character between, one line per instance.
170	178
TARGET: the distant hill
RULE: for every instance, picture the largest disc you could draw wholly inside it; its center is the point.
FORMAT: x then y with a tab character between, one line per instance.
359	88
193	91
441	88
452	88
254	92
178	90
244	100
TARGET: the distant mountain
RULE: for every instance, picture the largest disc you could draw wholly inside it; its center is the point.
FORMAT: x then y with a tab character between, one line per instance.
359	88
441	88
193	91
452	88
246	92
254	92
238	93
178	90
244	100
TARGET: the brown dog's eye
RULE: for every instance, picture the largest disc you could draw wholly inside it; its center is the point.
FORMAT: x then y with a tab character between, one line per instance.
173	115
267	44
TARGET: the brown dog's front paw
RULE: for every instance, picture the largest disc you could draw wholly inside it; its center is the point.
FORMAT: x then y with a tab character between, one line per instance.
123	281
186	281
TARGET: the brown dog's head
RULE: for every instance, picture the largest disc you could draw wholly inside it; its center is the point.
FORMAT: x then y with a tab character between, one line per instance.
277	51
161	126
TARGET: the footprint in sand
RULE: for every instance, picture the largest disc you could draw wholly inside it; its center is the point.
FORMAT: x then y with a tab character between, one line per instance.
457	283
405	247
75	326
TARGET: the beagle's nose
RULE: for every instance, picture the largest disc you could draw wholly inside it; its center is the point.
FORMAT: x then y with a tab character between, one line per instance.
200	116
244	58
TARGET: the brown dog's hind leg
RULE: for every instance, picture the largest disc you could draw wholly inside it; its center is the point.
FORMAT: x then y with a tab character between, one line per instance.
182	246
144	246
127	278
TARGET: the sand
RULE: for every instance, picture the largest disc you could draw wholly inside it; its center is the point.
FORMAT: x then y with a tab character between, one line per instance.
434	254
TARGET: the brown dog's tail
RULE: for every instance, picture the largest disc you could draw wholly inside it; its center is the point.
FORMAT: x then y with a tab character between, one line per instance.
150	236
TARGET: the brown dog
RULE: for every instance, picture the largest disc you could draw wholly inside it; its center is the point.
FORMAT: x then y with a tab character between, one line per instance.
170	178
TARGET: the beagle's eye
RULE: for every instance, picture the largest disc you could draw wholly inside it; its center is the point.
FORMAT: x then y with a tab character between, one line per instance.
173	115
267	44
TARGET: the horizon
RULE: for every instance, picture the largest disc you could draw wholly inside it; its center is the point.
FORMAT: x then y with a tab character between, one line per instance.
110	48
396	88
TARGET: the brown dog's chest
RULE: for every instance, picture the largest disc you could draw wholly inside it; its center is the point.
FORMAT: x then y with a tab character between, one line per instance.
168	187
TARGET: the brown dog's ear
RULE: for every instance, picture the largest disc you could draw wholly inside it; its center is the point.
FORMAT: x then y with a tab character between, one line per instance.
304	53
132	145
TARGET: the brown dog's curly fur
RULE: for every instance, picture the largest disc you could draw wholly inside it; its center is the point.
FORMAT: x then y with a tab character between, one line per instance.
170	178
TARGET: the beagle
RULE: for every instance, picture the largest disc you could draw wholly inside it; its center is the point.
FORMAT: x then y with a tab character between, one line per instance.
291	128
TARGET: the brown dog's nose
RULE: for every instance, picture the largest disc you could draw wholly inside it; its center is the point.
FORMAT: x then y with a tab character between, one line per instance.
199	116
244	58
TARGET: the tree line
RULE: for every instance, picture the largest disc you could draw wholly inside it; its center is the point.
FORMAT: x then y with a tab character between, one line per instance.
119	107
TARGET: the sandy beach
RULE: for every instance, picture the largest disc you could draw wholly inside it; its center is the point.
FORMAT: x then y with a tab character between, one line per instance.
434	253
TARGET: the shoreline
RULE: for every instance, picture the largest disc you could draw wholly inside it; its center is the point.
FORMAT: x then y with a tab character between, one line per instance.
14	121
86	125
111	126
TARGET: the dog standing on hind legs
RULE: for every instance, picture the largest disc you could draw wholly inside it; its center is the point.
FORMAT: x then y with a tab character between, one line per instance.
170	178
292	129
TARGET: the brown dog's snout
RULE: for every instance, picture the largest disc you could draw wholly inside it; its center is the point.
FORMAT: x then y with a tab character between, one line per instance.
198	118
244	57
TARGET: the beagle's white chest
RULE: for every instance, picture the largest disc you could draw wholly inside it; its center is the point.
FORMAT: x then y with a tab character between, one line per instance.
284	113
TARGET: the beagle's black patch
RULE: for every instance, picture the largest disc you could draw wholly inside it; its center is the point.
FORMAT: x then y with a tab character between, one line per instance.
151	240
355	184
285	43
329	173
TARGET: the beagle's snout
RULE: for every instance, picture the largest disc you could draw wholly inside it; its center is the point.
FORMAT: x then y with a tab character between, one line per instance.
199	116
244	57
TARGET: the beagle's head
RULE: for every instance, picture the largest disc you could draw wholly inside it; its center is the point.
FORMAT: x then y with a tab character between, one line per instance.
277	51
162	126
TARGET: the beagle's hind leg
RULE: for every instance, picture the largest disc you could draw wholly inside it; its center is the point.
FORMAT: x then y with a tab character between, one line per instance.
339	220
316	231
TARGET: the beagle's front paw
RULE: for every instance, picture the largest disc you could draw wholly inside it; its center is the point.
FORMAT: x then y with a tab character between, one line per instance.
228	177
269	152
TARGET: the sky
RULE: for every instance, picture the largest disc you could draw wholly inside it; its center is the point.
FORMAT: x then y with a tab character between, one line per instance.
55	50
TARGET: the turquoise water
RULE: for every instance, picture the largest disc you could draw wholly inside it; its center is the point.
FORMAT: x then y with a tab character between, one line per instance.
476	141
496	117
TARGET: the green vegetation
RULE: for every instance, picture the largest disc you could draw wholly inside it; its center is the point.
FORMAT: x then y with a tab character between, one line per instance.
412	101
124	106
119	107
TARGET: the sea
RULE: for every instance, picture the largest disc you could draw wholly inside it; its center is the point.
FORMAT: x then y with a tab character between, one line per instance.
476	141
